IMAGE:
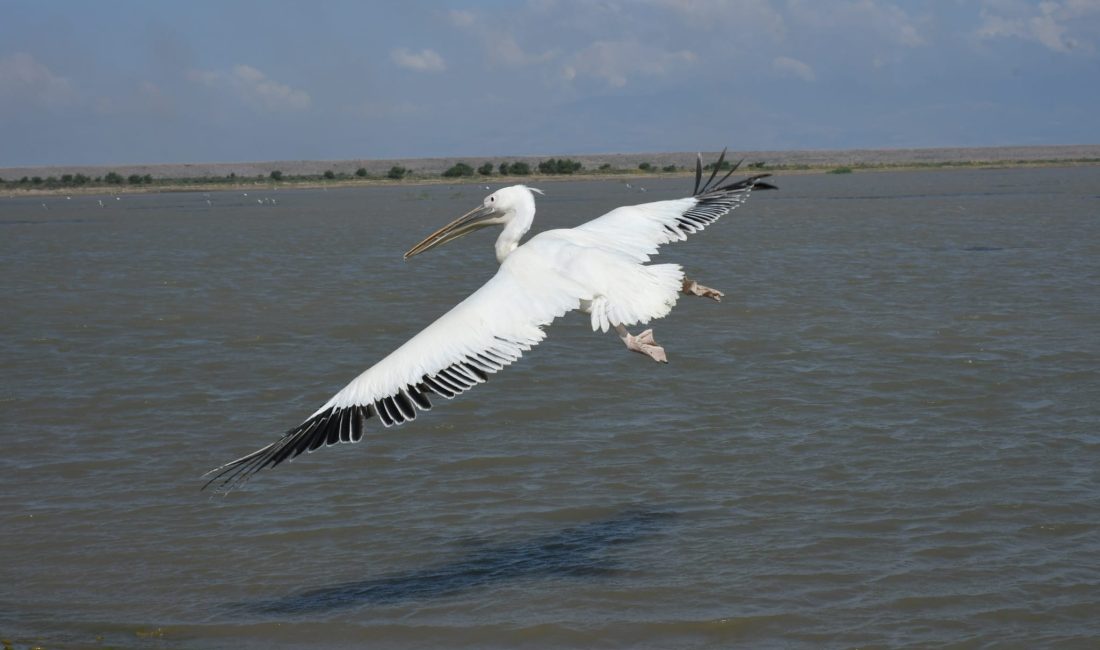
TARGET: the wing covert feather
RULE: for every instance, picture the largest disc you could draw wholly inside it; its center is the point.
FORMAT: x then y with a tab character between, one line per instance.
639	230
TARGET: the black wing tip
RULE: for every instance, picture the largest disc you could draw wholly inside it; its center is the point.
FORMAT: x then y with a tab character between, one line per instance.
698	172
294	442
711	187
717	166
236	473
340	424
233	474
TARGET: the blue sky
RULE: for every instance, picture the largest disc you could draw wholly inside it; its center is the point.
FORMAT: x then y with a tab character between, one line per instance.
131	82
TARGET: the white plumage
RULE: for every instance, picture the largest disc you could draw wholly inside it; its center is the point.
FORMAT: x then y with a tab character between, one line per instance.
598	267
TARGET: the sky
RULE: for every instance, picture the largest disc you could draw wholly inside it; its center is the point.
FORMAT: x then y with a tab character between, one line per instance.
117	82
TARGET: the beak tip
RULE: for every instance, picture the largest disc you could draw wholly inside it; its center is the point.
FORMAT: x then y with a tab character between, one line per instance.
467	223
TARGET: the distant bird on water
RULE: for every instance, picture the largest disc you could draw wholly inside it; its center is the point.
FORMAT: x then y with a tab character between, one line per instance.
598	268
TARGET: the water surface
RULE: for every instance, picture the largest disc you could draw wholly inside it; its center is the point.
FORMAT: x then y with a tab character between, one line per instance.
886	434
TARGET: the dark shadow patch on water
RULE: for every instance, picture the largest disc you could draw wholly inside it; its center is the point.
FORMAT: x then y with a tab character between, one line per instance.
976	248
40	222
579	551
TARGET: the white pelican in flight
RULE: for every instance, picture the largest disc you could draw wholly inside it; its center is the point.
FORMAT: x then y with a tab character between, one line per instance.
598	267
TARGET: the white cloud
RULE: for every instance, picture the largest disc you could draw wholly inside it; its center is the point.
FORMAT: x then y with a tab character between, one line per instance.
377	110
27	84
500	45
793	67
893	22
616	61
1065	26
751	17
423	61
25	81
505	50
461	18
154	99
885	23
255	88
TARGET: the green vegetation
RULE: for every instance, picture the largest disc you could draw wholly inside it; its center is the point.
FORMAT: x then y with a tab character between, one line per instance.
560	166
514	169
723	167
112	180
459	170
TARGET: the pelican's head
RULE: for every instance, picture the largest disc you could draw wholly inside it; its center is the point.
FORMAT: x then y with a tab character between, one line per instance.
509	206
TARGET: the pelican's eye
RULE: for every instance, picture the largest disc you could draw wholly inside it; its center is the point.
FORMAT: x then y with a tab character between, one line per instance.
492	198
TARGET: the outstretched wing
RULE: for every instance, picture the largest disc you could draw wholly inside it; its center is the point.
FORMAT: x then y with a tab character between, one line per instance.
638	230
478	337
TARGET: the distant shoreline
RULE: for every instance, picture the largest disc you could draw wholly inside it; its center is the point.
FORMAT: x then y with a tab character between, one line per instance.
207	177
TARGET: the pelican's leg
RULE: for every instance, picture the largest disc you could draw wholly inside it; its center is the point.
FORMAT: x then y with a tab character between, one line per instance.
642	343
693	288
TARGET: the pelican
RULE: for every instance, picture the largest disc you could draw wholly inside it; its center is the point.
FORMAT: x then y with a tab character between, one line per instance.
598	268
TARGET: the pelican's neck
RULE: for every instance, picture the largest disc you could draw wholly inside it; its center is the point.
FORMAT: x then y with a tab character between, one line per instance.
516	228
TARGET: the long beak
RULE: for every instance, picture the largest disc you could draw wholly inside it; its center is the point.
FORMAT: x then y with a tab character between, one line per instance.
475	219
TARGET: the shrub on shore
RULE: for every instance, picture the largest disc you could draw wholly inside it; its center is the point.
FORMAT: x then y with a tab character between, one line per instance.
459	170
560	166
514	169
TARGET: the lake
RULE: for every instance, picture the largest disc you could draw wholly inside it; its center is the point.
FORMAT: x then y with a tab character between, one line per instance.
886	434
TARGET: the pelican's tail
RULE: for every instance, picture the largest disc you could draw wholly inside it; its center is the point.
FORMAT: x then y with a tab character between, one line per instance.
635	293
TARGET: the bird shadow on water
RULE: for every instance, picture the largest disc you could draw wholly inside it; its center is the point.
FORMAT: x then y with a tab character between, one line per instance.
581	551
